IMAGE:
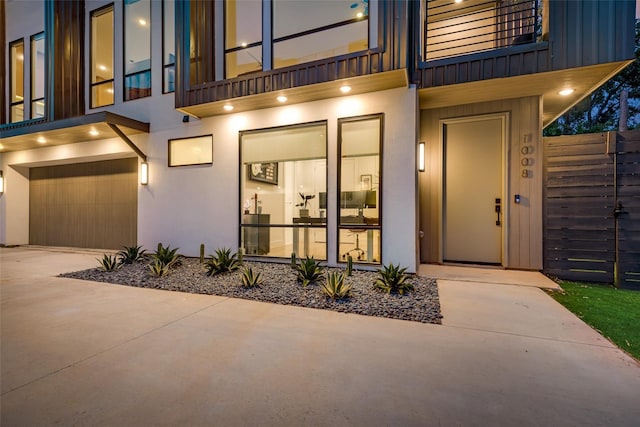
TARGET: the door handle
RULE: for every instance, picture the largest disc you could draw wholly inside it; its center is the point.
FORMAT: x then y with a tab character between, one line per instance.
498	211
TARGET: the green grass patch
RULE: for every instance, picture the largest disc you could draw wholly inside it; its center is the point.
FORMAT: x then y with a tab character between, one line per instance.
615	313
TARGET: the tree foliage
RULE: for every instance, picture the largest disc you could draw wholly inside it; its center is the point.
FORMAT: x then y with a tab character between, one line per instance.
600	111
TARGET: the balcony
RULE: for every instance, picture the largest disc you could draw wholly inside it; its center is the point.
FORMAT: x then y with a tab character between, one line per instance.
461	27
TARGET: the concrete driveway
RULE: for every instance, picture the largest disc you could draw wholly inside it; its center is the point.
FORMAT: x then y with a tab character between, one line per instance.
84	353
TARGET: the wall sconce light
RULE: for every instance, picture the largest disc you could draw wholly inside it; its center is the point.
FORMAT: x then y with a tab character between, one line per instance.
144	173
421	159
1	183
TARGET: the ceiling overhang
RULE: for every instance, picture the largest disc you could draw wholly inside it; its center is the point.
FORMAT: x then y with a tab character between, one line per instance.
26	136
361	84
583	80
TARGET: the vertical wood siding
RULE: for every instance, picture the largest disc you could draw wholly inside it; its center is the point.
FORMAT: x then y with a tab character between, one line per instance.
64	86
85	205
583	33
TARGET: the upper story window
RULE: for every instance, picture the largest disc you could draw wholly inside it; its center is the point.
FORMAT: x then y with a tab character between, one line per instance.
37	75
168	46
305	31
459	27
16	72
300	31
102	57
243	37
137	49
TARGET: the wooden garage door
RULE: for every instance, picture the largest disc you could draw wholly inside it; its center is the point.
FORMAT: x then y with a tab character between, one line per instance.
84	205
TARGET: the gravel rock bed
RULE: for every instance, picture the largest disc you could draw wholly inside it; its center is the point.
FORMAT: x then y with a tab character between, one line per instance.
280	286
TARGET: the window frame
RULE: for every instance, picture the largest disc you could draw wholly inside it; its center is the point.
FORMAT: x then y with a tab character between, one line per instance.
227	51
364	227
35	37
11	86
268	46
166	66
242	171
94	13
126	76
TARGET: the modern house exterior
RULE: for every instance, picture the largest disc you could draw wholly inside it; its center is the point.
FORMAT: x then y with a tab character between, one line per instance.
390	131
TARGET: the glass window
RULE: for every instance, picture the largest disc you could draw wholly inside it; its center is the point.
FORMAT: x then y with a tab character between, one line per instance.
137	49
243	41
305	31
102	57
16	71
168	46
37	75
359	186
283	199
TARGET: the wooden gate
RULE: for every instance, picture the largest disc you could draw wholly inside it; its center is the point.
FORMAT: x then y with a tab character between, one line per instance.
592	208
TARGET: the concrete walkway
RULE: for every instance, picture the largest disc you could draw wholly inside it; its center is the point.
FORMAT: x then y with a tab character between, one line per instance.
84	353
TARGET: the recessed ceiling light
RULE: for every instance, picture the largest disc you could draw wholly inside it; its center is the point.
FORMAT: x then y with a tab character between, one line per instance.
359	15
41	140
345	89
102	68
243	44
565	92
282	98
109	90
94	132
142	22
228	107
458	1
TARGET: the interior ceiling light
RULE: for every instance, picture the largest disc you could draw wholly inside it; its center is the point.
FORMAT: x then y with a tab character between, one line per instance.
359	15
228	107
142	22
102	68
345	89
109	90
41	140
282	98
94	132
565	92
458	1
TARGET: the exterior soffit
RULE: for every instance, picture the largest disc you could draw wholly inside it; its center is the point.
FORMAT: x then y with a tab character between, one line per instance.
95	126
583	80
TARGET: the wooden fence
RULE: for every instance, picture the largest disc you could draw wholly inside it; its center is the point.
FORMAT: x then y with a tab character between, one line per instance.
592	208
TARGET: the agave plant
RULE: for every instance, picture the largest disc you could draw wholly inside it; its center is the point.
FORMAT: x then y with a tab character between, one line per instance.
392	280
158	269
131	254
335	286
251	279
108	263
222	260
309	271
166	256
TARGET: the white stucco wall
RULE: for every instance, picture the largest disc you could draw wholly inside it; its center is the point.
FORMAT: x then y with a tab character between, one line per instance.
187	206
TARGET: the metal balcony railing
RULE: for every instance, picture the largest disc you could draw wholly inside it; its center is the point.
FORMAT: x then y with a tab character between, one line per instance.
455	27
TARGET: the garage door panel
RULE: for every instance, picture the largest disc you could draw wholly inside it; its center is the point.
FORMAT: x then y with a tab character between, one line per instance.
89	205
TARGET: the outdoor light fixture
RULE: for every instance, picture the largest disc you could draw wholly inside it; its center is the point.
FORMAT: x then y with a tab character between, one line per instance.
421	162
566	92
144	173
1	183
